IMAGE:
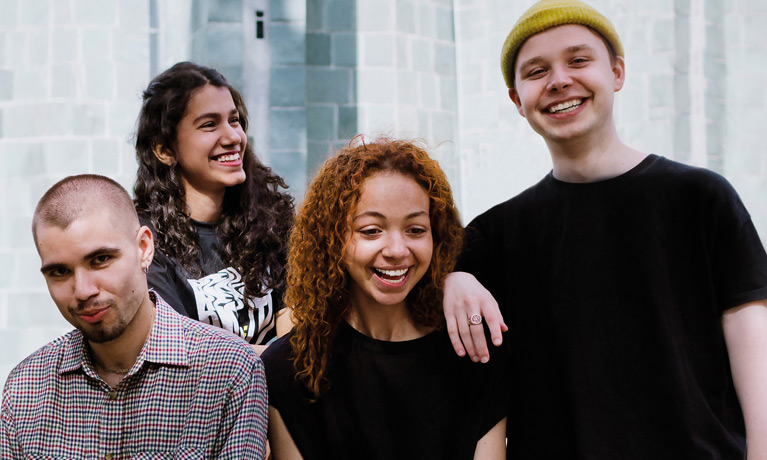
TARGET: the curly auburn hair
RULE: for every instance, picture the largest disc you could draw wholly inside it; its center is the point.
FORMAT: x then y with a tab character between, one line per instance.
256	216
318	283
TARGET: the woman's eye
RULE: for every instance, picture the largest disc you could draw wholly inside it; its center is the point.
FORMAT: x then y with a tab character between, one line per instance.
370	231
235	121
208	124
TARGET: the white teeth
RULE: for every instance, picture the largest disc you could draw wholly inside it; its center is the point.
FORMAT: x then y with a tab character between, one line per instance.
230	157
393	272
566	106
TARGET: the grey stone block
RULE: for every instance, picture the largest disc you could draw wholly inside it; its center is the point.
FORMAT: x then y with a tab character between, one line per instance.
99	80
318	152
122	119
95	13
443	127
344	49
444	59
63	82
406	18
287	129
288	10
105	156
10	16
444	24
428	88
130	46
60	158
65	44
291	166
663	37
38	44
315	14
6	85
225	10
133	14
422	54
407	87
317	49
39	310
402	55
427	24
378	50
287	45
132	78
288	86
328	85
448	93
96	44
62	12
377	85
223	45
661	91
34	12
347	122
375	15
320	122
341	15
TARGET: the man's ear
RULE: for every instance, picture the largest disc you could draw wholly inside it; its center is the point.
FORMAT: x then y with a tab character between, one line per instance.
163	154
145	241
619	70
515	98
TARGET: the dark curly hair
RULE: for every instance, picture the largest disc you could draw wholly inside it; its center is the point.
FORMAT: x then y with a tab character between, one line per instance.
318	283
256	216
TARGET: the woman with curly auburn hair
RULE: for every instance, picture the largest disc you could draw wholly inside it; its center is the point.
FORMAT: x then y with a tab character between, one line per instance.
219	217
368	370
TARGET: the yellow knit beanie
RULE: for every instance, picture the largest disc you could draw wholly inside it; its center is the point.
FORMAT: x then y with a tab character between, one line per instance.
551	13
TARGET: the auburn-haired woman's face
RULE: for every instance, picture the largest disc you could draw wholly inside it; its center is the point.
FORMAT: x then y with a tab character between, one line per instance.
389	245
210	143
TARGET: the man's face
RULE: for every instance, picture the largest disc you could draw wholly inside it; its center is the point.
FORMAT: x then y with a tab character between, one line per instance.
94	272
565	83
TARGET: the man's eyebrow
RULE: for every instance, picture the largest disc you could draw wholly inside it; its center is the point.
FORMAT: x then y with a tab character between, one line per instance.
95	253
529	62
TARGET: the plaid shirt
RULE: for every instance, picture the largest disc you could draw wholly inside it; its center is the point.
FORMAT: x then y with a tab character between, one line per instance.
195	391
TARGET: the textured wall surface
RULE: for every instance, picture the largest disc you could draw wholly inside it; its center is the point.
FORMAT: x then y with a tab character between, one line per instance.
72	72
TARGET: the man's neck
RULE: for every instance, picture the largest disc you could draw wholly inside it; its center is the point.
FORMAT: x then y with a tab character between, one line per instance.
592	159
114	359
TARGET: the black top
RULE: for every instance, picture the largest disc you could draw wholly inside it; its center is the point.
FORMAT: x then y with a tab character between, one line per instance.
390	400
216	297
613	292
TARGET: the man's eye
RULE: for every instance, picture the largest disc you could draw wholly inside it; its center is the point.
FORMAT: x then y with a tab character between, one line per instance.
58	273
101	260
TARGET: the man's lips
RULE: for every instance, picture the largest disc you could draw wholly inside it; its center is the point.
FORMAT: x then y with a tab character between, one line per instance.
93	316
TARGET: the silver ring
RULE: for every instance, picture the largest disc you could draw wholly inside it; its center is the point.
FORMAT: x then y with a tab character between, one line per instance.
475	319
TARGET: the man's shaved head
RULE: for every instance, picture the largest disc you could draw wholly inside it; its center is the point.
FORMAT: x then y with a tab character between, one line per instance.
75	196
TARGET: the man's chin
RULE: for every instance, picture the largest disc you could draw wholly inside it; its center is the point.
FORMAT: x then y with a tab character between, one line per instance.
100	335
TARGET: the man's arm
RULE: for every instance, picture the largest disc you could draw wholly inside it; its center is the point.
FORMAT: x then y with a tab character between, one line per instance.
244	423
745	332
463	297
9	444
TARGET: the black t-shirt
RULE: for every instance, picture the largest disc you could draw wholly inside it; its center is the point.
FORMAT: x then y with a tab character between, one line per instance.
613	292
390	400
217	297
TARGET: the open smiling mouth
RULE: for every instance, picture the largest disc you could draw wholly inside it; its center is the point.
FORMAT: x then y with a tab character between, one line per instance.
392	276
228	158
565	107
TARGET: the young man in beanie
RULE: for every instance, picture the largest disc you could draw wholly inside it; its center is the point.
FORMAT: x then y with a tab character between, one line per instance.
634	286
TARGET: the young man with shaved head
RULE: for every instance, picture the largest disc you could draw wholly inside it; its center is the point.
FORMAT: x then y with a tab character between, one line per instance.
134	378
634	287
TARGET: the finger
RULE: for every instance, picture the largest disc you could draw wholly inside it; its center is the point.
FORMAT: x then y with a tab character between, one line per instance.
466	338
455	336
480	343
495	324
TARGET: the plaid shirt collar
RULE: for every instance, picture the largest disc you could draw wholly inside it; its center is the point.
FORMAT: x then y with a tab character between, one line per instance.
165	345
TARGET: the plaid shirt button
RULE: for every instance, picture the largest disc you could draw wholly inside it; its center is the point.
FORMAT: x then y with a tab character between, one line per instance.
112	396
108	457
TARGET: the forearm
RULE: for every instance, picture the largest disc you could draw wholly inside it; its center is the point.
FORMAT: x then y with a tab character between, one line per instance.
745	332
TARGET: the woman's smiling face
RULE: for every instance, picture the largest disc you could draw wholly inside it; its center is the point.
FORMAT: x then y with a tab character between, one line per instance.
389	245
210	142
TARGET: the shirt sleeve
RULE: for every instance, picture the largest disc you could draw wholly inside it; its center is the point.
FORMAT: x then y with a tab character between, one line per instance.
9	444
739	261
243	427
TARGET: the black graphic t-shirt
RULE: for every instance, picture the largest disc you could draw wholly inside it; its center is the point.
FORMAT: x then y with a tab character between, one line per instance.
217	297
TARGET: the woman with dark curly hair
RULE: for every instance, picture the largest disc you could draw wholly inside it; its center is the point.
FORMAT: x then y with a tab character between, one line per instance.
369	371
218	215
